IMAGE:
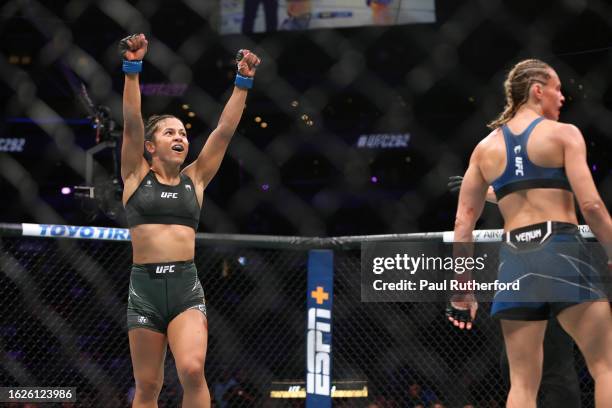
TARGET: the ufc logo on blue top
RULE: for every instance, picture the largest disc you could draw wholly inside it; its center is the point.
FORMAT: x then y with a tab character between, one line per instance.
518	163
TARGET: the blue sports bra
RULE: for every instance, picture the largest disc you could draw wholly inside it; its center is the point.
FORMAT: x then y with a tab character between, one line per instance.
520	172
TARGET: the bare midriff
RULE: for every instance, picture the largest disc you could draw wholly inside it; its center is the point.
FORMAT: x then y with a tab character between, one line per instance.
157	243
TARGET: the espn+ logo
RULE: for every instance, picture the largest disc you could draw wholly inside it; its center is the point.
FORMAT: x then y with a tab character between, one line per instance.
318	367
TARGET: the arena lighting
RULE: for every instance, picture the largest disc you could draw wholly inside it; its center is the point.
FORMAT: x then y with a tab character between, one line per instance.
20	60
66	190
374	179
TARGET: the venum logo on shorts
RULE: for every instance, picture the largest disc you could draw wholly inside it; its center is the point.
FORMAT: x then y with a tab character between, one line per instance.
164	268
528	236
142	319
166	194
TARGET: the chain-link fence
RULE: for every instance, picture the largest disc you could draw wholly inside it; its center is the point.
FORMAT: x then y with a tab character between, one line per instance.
63	324
63	320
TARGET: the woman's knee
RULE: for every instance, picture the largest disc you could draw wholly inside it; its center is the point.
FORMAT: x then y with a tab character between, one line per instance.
191	373
149	388
599	359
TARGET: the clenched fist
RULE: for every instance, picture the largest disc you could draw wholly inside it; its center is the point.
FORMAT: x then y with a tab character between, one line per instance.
247	63
133	47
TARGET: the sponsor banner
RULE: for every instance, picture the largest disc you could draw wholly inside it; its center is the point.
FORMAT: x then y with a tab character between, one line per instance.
75	232
319	294
495	235
340	389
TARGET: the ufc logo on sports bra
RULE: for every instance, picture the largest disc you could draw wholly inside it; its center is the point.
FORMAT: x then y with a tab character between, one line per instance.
518	166
166	194
165	268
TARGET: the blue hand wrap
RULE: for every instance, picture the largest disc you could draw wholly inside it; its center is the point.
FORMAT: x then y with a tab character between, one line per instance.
132	67
243	82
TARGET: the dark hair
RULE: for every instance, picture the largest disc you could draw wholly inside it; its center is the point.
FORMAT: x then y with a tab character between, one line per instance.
152	125
517	86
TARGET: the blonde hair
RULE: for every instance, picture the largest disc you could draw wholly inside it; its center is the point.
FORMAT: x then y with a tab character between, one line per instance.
517	86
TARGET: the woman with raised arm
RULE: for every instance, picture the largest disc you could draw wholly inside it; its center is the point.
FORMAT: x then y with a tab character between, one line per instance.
166	303
537	167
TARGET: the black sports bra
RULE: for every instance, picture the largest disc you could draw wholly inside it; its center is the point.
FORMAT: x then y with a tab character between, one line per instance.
156	203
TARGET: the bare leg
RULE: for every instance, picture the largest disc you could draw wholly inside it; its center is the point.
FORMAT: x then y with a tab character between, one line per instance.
590	324
525	355
148	351
188	339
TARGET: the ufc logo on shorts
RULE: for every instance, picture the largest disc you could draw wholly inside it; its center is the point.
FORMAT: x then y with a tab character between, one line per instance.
317	353
166	194
165	268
